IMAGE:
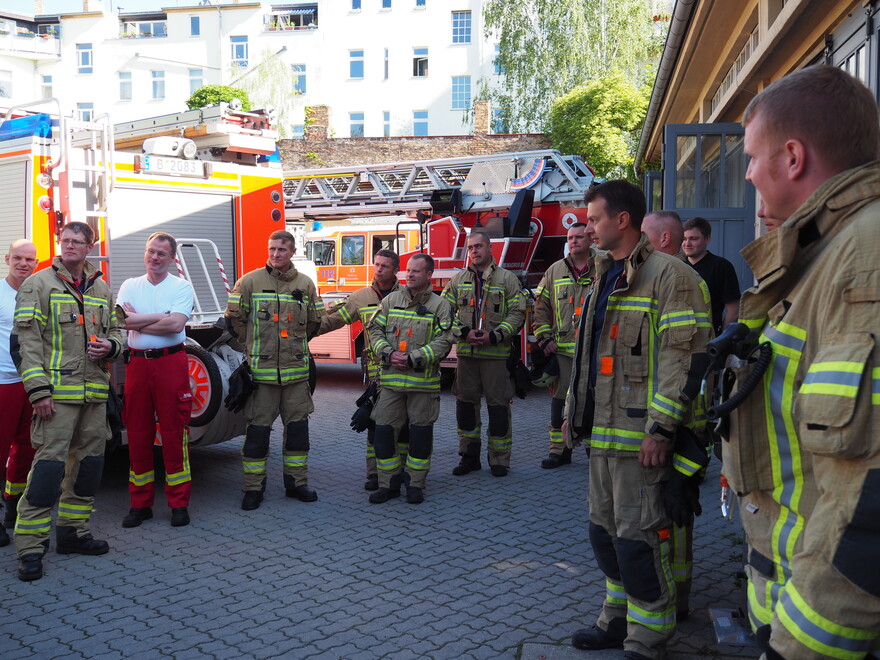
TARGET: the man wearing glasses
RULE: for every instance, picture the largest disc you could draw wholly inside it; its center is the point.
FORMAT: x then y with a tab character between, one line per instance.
64	333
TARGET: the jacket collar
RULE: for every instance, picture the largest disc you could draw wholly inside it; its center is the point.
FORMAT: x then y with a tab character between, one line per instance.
633	261
90	273
283	275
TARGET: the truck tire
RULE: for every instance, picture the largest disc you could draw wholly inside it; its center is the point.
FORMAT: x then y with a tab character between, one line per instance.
205	383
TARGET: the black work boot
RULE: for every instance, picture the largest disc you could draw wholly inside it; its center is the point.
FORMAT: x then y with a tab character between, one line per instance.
557	460
68	543
467	465
136	516
414	495
4	537
499	470
302	493
11	512
593	639
179	516
252	500
372	482
382	495
30	567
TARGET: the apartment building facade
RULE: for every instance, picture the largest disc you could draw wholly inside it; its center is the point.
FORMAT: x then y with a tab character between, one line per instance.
383	67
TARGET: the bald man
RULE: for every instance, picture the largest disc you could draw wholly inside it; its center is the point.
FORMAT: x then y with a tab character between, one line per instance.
664	230
15	414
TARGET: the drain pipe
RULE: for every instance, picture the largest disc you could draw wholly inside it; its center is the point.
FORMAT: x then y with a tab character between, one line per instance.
681	17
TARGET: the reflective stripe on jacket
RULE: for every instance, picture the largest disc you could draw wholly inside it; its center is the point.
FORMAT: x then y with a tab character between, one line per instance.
53	323
274	314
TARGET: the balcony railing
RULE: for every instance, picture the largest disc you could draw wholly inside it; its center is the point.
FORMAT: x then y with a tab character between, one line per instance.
29	43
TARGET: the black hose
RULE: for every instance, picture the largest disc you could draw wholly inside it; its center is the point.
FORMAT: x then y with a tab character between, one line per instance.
757	373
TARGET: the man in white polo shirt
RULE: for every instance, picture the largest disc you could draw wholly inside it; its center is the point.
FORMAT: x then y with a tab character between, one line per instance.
157	307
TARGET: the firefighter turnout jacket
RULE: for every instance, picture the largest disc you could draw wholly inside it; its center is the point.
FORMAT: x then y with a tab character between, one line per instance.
804	452
419	325
54	322
274	314
494	303
651	356
360	306
560	299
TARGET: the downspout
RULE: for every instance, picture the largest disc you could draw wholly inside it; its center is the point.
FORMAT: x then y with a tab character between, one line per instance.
681	17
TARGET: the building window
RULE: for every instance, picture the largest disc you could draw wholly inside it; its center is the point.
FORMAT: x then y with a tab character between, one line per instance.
461	27
355	5
386	64
420	62
125	85
195	27
6	84
299	78
158	78
499	69
356	64
420	122
386	4
386	123
461	92
298	131
137	29
498	123
357	124
46	87
239	51
420	3
196	80
85	111
84	58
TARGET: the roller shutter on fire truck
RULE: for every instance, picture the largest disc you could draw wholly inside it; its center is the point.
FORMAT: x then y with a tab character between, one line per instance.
14	184
139	213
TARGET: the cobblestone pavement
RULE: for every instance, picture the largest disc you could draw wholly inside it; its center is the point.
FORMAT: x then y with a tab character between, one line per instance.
485	568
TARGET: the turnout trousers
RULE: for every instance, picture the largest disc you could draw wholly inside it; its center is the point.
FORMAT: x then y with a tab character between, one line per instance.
395	412
293	402
16	452
68	462
158	390
476	378
557	403
629	532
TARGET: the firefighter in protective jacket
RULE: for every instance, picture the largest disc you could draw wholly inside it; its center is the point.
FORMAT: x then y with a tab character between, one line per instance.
410	334
560	299
274	311
490	309
638	367
804	450
360	306
65	332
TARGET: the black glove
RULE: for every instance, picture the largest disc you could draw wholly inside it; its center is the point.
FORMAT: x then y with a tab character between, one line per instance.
241	386
361	418
681	497
369	395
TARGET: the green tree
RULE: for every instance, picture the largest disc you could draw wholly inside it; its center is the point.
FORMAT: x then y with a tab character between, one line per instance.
600	121
214	94
548	47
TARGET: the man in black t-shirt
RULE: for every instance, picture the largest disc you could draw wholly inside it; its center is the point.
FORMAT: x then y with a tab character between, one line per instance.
717	272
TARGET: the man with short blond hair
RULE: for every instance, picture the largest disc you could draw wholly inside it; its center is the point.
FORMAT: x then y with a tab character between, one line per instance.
804	452
15	413
156	307
274	311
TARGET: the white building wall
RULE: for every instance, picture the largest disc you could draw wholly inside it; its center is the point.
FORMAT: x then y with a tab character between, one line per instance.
323	50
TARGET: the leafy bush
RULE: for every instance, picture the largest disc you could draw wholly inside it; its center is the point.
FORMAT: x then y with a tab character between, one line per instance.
214	94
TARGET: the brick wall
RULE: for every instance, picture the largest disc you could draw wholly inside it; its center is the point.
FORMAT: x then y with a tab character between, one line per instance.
318	149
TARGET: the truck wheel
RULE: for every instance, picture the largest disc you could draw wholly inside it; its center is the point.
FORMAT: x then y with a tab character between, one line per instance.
205	383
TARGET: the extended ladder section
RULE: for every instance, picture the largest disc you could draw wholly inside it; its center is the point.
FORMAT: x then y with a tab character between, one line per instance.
447	185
